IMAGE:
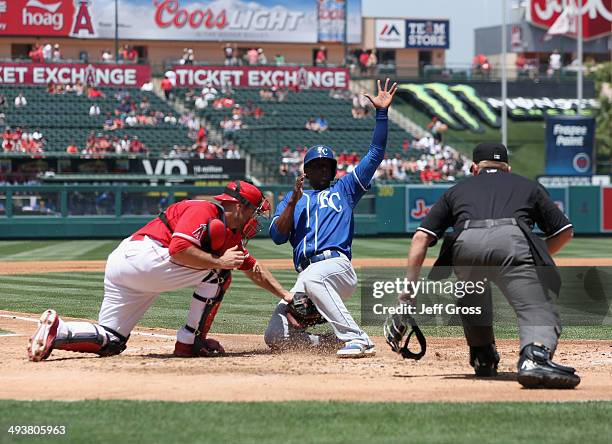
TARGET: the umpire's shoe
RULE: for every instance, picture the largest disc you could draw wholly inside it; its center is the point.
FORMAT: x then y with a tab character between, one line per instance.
536	370
484	360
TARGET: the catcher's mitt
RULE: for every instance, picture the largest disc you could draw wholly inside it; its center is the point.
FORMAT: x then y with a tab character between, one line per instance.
303	311
396	328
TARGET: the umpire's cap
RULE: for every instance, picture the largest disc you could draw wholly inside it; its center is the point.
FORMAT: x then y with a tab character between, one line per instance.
494	151
245	193
321	152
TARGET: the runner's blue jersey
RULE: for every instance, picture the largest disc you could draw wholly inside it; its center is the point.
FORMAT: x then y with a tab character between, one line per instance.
323	219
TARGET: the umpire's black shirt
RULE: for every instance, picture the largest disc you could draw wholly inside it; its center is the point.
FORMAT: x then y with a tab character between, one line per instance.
495	194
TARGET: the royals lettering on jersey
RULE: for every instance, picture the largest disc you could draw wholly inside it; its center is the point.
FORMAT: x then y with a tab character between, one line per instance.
323	219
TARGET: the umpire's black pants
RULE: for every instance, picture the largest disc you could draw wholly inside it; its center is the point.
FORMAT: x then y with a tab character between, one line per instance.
501	255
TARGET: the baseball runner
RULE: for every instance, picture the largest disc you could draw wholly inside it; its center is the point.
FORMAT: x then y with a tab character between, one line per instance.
192	243
319	225
493	214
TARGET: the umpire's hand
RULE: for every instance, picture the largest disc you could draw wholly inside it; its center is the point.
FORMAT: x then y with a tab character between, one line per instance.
384	97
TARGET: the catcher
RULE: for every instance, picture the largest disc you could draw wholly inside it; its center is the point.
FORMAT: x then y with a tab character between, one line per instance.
192	243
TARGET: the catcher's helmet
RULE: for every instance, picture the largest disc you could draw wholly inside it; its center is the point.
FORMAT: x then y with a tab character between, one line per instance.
244	193
321	152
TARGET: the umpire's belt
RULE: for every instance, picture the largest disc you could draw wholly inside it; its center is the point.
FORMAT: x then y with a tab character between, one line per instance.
488	223
327	254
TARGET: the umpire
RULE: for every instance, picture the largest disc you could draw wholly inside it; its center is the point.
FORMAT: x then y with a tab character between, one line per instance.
493	214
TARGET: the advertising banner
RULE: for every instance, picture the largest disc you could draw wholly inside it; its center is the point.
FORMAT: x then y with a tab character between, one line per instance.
92	74
205	169
61	18
394	33
606	209
216	20
419	200
427	34
262	76
390	33
569	145
331	20
596	15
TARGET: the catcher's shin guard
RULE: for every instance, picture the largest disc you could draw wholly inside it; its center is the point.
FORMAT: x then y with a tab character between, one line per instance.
204	306
484	359
85	337
536	370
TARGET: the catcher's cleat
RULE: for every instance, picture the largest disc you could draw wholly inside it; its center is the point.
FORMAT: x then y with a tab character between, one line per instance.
352	350
536	370
484	359
41	342
210	347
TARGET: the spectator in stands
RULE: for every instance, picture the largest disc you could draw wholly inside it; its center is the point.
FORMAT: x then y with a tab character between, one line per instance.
405	145
279	60
200	103
47	52
129	54
94	110
136	146
311	124
322	124
554	63
36	54
252	56
364	57
372	62
20	101
3	102
166	86
107	57
436	126
321	56
232	153
109	123
8	141
229	54
188	57
94	93
261	57
257	112
131	119
265	94
481	66
72	148
57	54
209	92
79	88
279	92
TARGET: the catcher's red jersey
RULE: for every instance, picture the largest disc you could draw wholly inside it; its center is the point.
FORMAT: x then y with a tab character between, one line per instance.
189	220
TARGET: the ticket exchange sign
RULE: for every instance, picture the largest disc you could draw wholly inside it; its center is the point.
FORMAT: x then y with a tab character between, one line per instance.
262	77
71	73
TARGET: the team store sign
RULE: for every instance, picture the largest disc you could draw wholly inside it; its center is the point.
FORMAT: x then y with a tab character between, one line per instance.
262	77
98	74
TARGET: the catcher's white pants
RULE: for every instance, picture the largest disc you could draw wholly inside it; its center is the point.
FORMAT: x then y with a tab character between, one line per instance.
137	271
327	283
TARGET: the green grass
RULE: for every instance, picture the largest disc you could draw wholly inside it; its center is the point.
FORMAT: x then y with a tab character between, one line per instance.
262	248
320	422
5	332
245	309
525	140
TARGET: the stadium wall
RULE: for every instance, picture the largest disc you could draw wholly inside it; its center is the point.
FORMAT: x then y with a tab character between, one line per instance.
87	211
